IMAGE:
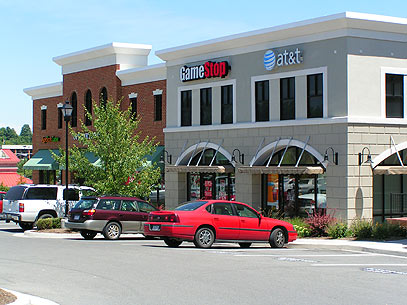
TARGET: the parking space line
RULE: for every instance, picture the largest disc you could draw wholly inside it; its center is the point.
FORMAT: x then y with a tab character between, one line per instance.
311	255
357	265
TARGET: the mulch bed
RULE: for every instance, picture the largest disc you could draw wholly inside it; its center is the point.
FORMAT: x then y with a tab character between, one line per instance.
6	297
55	231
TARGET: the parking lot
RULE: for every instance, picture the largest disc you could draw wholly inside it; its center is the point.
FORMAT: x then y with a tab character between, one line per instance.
133	270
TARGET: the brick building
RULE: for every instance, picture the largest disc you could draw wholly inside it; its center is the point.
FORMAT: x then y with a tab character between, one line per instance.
113	71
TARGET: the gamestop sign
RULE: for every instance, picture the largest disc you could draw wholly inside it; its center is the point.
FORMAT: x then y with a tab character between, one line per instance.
207	70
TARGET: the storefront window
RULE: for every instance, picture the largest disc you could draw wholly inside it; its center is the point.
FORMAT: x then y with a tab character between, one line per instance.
287	98
186	108
211	186
262	101
206	106
314	96
227	104
394	96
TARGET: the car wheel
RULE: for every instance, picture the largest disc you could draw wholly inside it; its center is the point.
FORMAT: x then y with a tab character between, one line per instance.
112	230
88	234
245	245
277	238
26	225
172	242
44	216
204	238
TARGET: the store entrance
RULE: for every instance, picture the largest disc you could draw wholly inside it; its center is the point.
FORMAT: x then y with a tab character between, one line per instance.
211	186
293	195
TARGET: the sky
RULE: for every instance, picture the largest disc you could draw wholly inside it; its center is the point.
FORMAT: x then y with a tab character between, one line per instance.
33	32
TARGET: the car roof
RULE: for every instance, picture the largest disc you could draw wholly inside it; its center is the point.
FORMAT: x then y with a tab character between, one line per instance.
121	197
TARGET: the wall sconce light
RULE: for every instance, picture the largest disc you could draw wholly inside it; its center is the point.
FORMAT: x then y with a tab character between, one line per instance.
169	157
241	156
361	155
334	155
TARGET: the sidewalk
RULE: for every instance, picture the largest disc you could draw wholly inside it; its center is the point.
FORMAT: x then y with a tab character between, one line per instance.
394	246
25	299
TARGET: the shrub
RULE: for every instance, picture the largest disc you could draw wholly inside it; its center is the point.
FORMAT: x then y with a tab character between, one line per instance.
49	223
300	226
338	230
387	230
361	228
318	223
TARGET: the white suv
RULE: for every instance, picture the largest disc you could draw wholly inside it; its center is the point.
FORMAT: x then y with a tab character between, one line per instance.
25	204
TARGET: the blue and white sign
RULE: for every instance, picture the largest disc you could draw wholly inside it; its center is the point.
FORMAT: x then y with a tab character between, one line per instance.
286	58
269	60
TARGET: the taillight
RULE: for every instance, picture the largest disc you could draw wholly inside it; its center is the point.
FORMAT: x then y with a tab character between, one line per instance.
163	217
21	207
88	212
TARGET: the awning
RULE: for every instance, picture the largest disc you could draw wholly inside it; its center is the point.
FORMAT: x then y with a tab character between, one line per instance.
300	170
93	159
390	170
155	157
200	169
42	160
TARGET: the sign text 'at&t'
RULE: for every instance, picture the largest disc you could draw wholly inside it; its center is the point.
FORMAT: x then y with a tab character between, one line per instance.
286	58
207	70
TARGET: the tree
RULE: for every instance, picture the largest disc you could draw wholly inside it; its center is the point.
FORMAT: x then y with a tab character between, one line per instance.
26	135
123	168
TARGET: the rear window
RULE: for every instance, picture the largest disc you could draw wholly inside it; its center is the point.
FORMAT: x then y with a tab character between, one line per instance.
45	193
15	193
73	194
85	204
191	206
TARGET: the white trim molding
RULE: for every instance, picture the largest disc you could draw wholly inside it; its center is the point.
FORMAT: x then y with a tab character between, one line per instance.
142	75
43	107
157	92
133	95
44	91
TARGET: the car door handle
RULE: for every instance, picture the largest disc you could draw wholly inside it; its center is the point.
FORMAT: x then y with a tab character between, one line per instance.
216	218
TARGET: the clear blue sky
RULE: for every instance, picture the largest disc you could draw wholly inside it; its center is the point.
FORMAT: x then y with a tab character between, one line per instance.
33	32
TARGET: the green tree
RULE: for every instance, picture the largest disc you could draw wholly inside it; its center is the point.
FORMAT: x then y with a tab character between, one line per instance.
24	172
26	135
115	140
8	135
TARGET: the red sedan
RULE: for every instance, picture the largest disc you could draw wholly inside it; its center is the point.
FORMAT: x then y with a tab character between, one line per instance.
204	222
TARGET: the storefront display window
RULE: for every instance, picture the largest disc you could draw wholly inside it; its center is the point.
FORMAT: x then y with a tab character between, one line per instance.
211	186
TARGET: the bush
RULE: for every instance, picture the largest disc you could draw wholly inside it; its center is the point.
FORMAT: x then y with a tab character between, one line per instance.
338	230
387	230
300	226
49	223
318	223
361	229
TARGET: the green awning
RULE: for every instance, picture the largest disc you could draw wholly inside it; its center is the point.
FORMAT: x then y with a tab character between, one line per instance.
42	160
155	157
93	159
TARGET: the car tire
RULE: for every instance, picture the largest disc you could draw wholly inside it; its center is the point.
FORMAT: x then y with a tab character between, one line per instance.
112	231
245	245
26	225
204	238
46	215
88	235
172	242
277	238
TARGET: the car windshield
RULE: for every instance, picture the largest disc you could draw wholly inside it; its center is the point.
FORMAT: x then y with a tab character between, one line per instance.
85	204
191	206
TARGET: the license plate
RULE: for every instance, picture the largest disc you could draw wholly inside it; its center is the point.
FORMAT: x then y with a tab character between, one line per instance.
76	217
155	227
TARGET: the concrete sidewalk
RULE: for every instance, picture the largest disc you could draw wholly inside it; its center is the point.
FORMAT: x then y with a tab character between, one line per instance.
394	246
26	299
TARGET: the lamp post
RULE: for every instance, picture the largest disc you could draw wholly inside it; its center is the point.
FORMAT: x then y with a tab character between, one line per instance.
67	113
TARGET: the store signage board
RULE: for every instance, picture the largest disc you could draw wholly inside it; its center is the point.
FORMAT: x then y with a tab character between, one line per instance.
209	69
50	139
285	58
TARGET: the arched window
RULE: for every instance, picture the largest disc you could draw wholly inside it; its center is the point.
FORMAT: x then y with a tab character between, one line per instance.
88	107
74	104
103	97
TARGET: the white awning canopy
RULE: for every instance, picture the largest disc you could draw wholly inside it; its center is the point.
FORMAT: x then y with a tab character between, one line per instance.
299	170
390	170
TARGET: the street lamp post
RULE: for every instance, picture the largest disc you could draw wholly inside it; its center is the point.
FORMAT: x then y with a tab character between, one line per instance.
67	113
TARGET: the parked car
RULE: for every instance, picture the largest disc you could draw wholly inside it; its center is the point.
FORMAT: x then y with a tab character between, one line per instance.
1	203
109	215
26	203
209	221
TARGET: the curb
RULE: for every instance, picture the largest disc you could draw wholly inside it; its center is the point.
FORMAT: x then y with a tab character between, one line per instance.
26	299
34	233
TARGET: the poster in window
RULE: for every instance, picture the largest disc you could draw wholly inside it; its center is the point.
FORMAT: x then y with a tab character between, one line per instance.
272	190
